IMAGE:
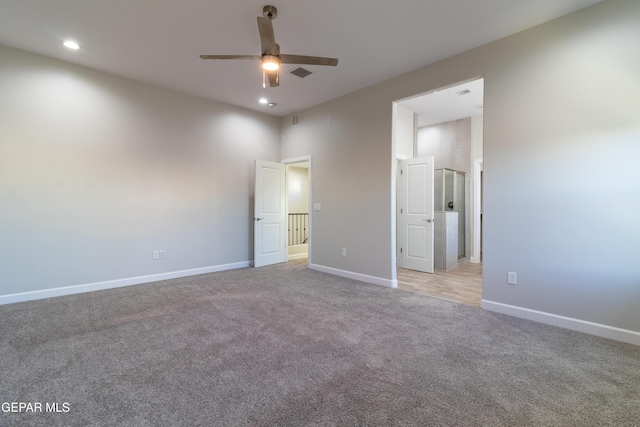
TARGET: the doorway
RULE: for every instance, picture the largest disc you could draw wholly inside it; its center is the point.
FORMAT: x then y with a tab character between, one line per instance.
297	202
271	211
447	124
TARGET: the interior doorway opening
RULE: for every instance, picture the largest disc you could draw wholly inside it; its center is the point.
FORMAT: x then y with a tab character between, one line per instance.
298	199
447	124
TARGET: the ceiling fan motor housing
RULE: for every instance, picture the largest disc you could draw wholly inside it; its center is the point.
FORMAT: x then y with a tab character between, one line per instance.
270	12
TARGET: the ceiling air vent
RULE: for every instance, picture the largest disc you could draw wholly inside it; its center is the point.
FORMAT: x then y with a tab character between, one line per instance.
295	119
463	92
300	72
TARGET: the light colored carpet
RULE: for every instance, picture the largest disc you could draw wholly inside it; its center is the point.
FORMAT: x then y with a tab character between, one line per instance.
284	345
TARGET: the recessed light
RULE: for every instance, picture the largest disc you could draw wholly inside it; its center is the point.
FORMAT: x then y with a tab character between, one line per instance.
263	101
71	44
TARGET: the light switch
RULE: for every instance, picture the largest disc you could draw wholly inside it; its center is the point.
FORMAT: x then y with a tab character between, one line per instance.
317	207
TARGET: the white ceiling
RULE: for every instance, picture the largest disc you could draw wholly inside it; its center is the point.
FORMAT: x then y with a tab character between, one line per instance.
448	104
158	41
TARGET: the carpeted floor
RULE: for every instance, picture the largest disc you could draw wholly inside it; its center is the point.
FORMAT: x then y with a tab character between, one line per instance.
283	345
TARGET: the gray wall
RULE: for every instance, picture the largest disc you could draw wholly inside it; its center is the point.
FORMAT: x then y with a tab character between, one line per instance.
97	171
561	146
350	143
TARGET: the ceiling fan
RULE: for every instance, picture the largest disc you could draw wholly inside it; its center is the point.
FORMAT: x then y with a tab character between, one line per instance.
271	57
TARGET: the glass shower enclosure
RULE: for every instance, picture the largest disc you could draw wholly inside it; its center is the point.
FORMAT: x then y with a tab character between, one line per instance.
449	196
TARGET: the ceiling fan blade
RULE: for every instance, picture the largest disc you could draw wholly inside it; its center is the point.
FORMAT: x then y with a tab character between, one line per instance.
230	57
267	37
274	78
310	60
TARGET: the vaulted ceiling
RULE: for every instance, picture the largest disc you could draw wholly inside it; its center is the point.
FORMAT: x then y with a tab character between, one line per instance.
159	41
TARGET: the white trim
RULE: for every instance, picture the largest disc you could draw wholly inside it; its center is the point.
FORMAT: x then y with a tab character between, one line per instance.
300	159
110	284
387	283
605	331
476	237
298	256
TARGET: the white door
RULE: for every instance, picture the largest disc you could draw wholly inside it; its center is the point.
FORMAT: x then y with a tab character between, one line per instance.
416	214
270	243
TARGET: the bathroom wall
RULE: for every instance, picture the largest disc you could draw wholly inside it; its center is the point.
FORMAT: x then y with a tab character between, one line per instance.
454	145
449	143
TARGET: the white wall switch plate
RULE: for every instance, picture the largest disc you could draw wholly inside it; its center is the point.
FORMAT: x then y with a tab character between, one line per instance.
512	278
317	207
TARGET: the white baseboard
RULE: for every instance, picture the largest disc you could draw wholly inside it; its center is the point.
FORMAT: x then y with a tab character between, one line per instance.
388	283
297	256
110	284
605	331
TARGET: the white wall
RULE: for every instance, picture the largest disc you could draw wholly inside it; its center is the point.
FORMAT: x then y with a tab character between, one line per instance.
404	131
97	171
298	189
475	205
562	188
476	138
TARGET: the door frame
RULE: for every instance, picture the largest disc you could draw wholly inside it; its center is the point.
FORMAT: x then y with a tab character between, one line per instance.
396	155
476	231
307	158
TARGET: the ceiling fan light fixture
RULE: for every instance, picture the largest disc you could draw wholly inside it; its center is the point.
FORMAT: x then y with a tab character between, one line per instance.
270	62
70	44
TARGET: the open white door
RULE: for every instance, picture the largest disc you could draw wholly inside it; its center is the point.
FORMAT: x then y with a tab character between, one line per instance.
270	243
416	217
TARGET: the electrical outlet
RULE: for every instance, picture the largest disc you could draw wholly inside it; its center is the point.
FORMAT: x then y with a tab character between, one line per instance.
512	278
162	253
155	254
344	252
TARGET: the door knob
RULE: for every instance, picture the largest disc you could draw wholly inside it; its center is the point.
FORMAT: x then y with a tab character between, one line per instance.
428	220
259	219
